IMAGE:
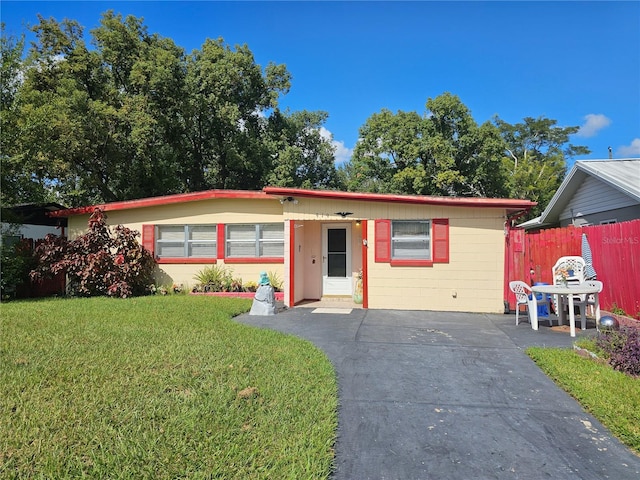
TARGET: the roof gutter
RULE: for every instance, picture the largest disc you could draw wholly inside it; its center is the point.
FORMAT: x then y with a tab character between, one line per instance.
512	217
163	200
515	204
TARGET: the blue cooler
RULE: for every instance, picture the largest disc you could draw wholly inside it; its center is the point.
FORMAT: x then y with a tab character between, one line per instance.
543	310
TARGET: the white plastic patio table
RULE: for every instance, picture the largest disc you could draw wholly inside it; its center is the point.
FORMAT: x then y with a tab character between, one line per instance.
569	291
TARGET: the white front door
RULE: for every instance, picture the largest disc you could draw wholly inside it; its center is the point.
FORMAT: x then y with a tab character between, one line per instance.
336	259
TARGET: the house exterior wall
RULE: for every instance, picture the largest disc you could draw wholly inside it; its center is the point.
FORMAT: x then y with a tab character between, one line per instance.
470	280
77	225
215	211
595	201
610	216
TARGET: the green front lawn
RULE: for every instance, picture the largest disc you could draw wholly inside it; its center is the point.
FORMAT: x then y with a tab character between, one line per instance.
610	396
159	387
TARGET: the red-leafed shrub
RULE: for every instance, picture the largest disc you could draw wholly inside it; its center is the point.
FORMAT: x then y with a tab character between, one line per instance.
100	262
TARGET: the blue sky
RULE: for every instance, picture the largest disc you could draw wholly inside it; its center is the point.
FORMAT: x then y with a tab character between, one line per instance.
575	62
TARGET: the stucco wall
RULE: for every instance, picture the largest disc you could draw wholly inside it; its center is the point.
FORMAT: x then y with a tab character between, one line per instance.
472	280
212	211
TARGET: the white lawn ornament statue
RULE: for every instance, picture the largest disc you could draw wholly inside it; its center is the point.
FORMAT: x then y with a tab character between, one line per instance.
264	302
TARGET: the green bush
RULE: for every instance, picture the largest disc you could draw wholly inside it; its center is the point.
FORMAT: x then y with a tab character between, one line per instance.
215	278
17	261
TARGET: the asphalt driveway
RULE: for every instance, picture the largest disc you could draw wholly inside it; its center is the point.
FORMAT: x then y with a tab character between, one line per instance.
431	395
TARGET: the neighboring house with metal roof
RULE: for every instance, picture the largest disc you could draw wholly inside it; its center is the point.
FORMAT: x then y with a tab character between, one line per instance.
31	220
594	192
409	251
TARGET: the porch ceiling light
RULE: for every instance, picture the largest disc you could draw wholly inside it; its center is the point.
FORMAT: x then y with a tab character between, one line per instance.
288	199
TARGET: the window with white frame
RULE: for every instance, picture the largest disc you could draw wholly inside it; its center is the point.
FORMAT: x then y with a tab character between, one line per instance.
255	240
411	240
186	241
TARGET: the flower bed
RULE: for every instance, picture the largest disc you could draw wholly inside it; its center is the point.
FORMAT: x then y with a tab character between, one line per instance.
279	295
623	320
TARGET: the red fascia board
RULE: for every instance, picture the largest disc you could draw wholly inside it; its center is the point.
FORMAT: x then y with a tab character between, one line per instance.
163	200
414	199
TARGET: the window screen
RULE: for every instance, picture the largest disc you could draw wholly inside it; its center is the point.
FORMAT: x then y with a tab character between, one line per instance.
410	239
188	241
255	240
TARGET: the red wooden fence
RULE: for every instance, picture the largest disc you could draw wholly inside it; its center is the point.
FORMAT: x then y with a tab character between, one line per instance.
615	252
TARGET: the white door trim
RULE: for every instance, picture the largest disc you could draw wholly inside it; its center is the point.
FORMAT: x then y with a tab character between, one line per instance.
336	285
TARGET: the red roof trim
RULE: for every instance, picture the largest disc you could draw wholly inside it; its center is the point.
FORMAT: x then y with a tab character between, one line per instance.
270	192
164	200
415	199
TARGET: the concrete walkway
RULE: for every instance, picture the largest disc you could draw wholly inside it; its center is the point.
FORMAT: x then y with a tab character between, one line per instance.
430	395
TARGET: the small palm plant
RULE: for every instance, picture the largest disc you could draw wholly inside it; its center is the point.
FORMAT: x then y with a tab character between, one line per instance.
215	278
275	281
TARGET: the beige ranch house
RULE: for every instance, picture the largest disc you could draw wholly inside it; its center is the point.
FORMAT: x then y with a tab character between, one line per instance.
410	252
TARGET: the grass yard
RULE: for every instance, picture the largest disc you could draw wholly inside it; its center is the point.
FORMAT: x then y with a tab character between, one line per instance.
610	396
159	387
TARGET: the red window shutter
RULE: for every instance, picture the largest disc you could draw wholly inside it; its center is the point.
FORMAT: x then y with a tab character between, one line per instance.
440	242
148	238
221	240
383	241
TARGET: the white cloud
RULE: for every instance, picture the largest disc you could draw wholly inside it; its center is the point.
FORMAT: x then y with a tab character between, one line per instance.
594	122
632	150
343	153
326	134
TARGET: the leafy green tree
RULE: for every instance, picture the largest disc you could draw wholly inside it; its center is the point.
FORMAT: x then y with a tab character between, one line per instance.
135	116
389	145
228	99
88	124
465	157
16	181
302	157
535	158
146	85
444	152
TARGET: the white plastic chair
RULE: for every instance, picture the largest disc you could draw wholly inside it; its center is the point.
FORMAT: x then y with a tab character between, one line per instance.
525	296
575	266
585	301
